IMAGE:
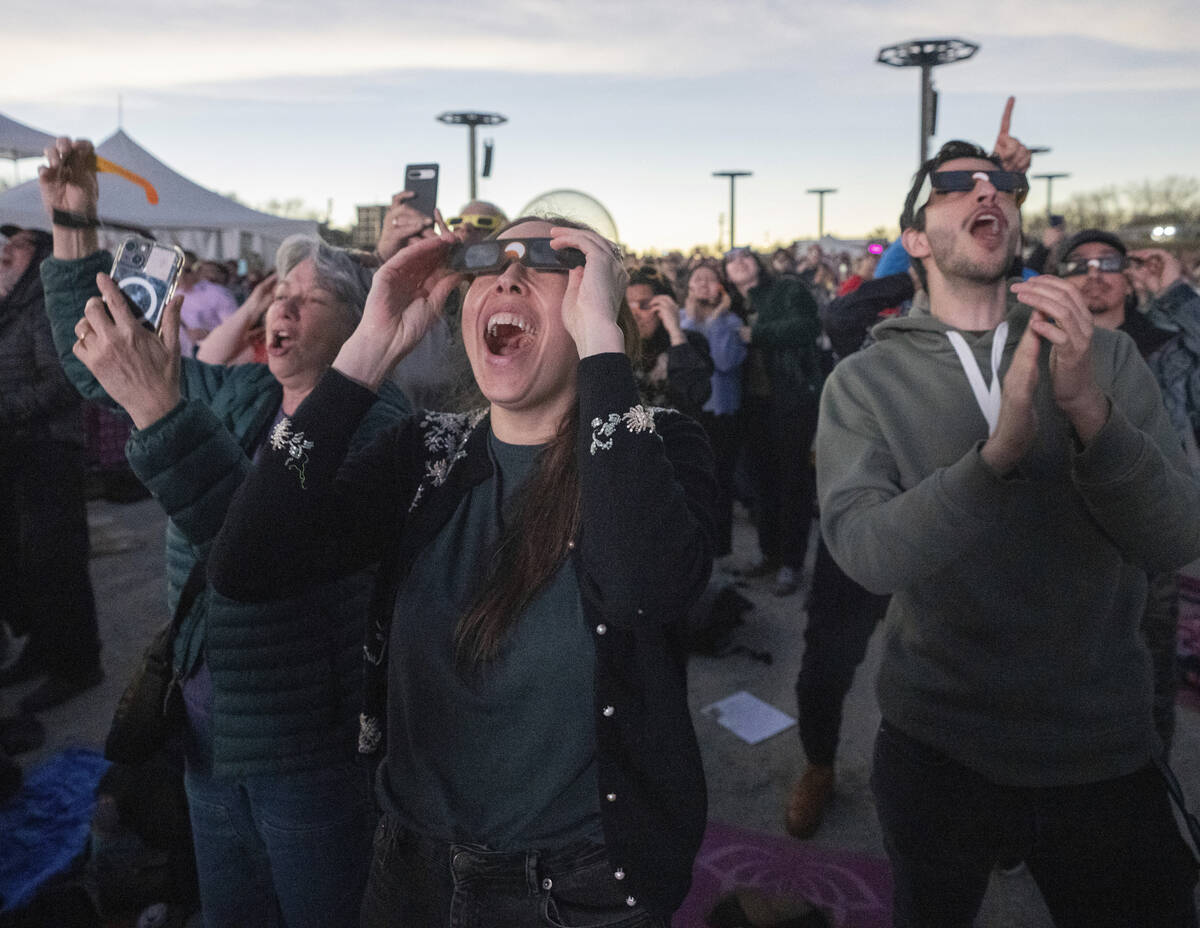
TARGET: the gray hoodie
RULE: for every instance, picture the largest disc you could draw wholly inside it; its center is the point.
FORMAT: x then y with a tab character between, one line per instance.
1011	640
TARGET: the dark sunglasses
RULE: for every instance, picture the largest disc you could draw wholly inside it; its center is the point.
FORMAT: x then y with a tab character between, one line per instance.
1109	264
965	181
495	254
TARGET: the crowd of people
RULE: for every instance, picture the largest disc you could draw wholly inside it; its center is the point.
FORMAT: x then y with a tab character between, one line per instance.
438	517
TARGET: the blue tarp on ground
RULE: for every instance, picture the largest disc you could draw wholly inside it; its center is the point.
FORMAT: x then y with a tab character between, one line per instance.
46	824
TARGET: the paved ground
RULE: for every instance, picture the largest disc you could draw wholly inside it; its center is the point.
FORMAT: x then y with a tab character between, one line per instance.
748	785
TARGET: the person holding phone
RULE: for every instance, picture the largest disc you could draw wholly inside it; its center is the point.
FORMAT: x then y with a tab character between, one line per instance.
526	675
280	804
710	310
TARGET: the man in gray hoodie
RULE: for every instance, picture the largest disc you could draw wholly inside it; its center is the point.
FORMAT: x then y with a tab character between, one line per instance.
1014	526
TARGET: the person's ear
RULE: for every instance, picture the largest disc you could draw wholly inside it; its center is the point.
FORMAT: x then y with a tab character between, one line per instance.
915	242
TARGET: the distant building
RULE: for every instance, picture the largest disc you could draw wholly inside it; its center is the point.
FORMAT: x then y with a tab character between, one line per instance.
370	224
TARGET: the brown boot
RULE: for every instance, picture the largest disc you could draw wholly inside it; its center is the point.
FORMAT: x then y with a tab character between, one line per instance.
811	795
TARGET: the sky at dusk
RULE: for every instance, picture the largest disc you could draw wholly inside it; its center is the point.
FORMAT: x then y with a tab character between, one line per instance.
634	103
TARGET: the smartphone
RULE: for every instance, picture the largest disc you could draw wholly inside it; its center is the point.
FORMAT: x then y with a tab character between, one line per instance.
422	179
147	273
1056	220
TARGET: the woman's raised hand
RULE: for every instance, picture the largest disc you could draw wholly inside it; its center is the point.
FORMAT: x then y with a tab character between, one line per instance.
68	179
407	296
594	291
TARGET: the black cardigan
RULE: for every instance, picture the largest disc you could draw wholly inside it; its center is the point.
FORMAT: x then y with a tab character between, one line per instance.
643	555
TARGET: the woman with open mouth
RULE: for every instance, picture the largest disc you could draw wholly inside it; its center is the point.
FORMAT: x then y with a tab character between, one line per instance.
280	807
526	676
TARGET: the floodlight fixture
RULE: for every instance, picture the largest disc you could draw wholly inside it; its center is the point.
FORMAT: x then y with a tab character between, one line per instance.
471	120
820	193
1049	179
927	54
733	176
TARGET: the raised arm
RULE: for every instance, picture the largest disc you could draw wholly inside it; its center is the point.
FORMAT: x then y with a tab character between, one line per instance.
229	342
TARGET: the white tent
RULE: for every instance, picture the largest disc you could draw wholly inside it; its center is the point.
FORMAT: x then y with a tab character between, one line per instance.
187	214
18	140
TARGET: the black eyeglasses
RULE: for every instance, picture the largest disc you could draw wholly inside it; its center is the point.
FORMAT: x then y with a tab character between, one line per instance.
1109	264
1010	182
496	254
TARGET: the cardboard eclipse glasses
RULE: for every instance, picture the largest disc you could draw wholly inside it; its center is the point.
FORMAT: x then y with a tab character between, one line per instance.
1109	264
1010	182
496	254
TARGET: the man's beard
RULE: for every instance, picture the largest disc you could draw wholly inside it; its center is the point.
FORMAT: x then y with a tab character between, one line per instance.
990	268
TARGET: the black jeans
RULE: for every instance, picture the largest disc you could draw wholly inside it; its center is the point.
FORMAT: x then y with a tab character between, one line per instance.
45	589
724	434
1104	855
778	441
842	616
420	881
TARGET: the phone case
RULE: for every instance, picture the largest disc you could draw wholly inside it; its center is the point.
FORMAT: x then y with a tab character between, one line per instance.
422	179
147	273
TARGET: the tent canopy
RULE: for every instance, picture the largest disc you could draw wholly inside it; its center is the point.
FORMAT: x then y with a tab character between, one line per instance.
18	140
193	216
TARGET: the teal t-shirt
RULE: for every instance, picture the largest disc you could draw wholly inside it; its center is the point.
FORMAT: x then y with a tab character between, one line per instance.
505	757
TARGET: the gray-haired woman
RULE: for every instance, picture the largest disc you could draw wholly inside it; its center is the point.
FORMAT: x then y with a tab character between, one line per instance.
280	806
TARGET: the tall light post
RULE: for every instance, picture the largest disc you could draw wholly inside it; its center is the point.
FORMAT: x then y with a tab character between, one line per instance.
927	54
733	176
471	120
1049	179
820	192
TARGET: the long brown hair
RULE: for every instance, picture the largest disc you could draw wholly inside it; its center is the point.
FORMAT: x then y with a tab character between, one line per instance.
541	531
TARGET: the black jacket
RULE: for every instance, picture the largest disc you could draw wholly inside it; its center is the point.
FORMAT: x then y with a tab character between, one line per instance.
643	555
36	401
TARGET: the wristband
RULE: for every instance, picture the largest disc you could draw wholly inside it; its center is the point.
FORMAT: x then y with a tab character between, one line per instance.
73	220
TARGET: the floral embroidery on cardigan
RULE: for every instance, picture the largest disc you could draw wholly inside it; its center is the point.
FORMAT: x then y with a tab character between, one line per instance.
638	419
370	733
446	434
283	439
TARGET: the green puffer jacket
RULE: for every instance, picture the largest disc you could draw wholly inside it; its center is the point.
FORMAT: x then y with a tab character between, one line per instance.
287	675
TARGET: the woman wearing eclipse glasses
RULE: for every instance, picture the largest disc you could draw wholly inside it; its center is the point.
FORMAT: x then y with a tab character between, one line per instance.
525	670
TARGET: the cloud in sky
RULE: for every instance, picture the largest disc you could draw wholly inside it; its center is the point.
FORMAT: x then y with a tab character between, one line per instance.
635	102
1147	45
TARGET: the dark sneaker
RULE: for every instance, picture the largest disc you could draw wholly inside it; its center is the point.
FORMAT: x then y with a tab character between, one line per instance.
57	690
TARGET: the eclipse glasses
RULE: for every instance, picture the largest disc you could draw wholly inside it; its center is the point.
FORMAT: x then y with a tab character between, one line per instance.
485	223
497	253
1109	264
964	181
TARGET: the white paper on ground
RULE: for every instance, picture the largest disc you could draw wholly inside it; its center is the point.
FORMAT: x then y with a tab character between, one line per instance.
749	717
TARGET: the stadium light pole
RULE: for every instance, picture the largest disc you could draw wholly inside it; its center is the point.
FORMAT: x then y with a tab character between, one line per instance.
820	192
927	54
471	120
1049	179
733	176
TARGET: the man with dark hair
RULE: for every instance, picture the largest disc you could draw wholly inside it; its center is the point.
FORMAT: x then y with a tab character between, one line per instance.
45	590
1098	264
1014	526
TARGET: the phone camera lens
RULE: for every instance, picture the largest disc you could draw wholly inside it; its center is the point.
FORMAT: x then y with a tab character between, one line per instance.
137	259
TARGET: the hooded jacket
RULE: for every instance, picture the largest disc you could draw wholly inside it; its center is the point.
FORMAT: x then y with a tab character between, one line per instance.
1011	640
36	401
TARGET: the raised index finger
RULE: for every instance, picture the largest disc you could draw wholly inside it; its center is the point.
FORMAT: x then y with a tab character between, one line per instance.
1006	119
